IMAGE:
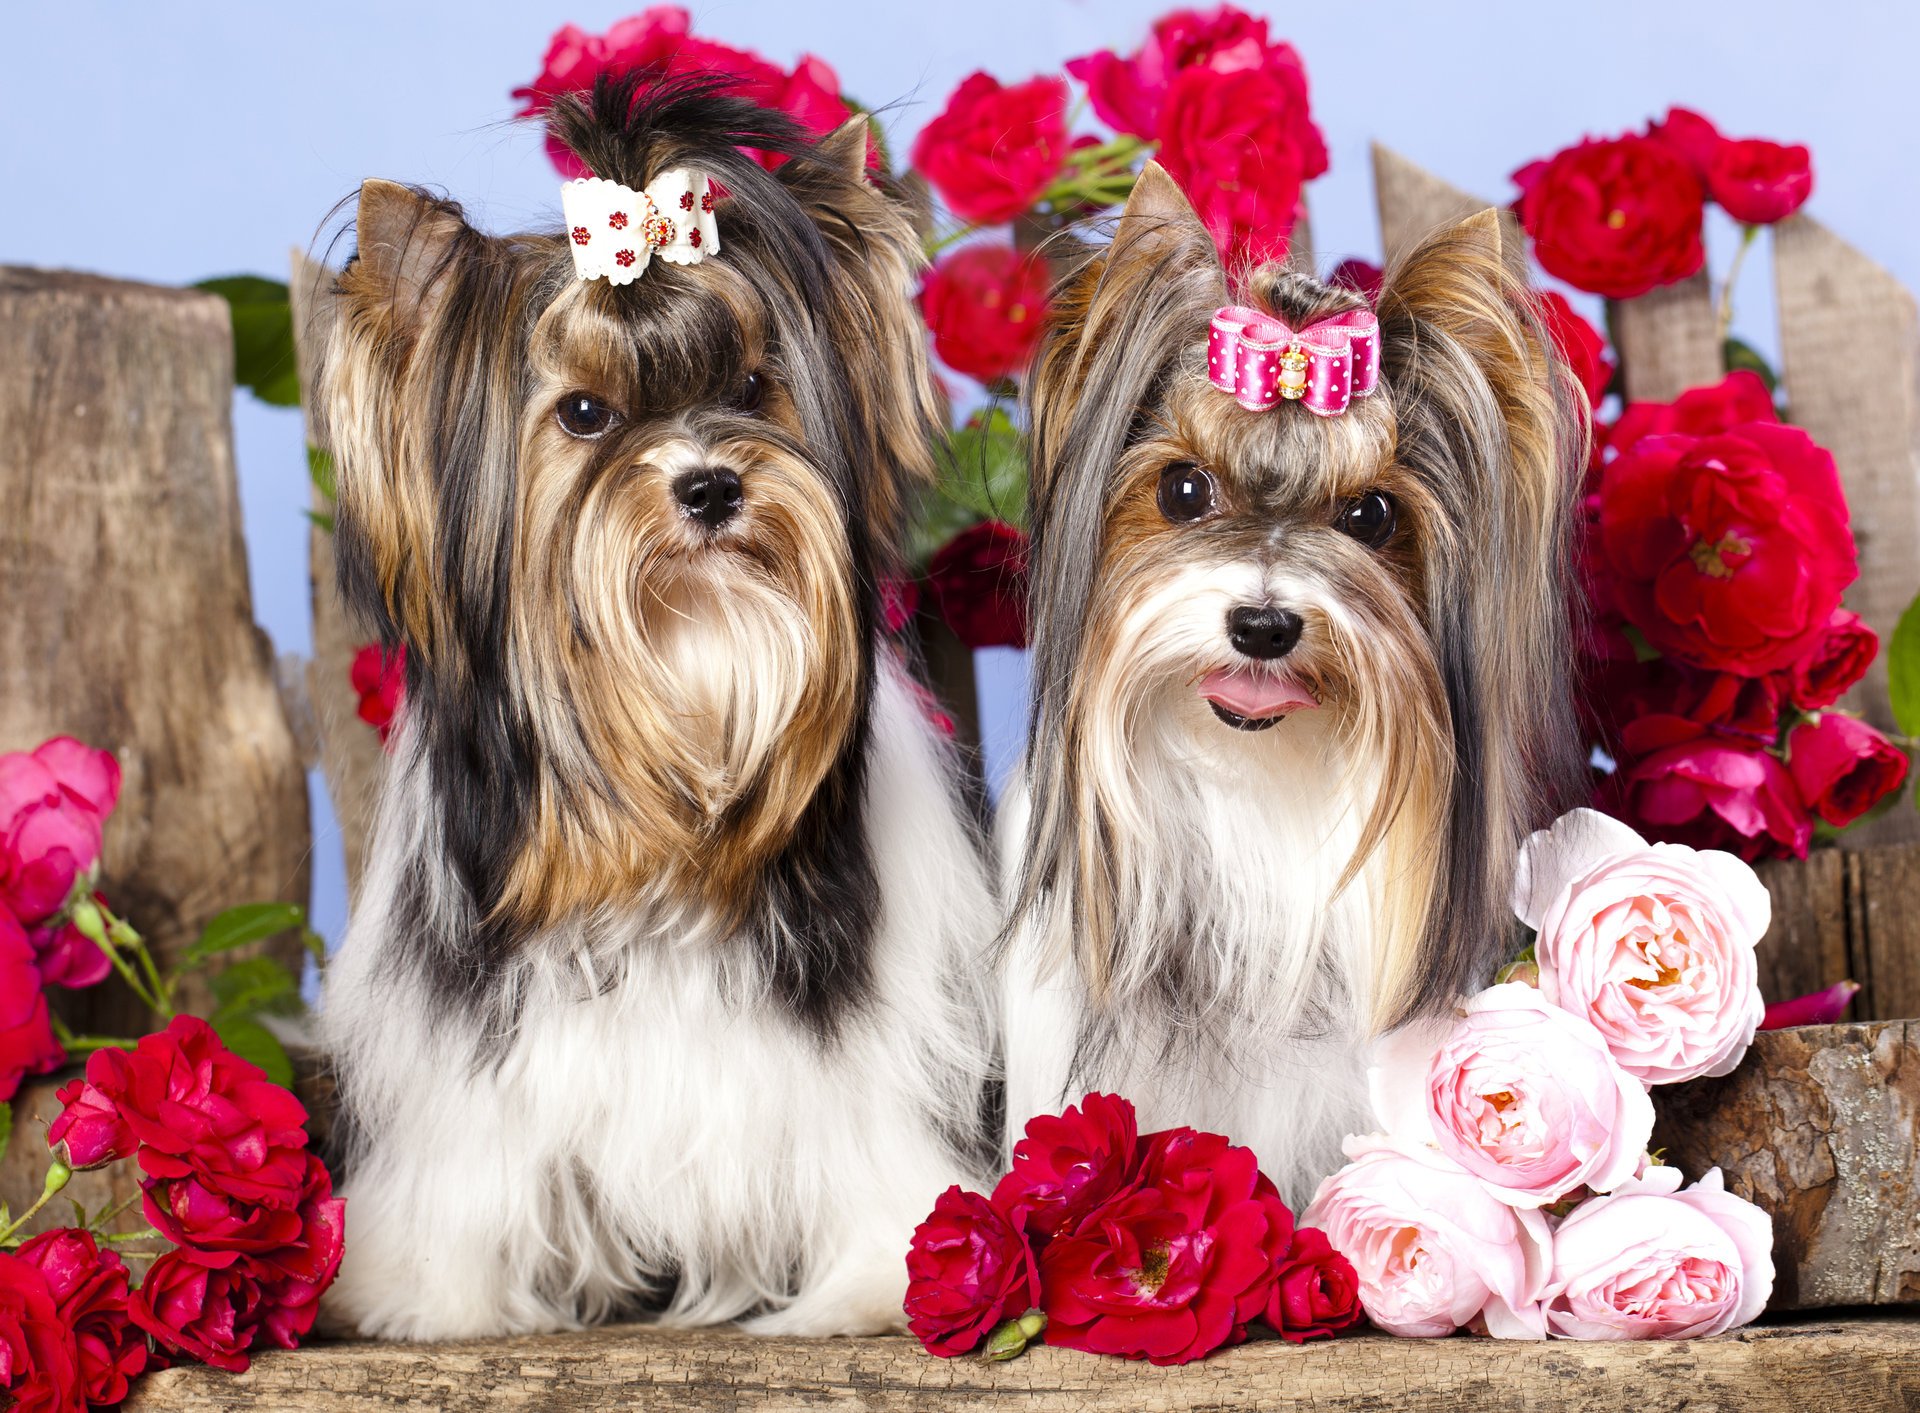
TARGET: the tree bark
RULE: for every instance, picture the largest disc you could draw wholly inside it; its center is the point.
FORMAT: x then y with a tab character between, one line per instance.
125	614
1820	1125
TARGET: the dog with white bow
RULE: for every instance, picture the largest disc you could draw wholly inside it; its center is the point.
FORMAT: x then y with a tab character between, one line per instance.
1300	655
662	993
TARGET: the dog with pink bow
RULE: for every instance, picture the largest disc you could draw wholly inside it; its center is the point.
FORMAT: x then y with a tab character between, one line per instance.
1300	665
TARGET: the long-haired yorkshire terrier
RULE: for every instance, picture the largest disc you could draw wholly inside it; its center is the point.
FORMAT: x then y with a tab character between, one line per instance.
661	992
1299	679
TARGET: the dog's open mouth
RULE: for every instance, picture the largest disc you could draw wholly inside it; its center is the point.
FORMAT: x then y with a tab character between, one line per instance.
1254	701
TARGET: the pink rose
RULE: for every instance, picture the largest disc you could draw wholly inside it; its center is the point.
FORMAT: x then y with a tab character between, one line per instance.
1651	1262
1651	943
1691	786
1432	1247
1520	1093
54	803
1843	766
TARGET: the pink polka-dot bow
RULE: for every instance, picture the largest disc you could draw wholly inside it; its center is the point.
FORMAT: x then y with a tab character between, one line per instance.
1324	366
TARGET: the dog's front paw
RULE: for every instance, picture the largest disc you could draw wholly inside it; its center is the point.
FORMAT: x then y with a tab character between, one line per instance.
862	1302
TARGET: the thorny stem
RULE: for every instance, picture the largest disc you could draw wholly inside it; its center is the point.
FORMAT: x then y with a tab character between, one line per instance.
57	1176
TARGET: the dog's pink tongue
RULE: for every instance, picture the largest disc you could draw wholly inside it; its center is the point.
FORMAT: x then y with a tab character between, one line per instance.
1255	694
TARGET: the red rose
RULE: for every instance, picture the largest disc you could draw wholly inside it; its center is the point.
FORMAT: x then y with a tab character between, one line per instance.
660	40
992	150
296	1235
1730	551
1760	182
1580	345
27	1043
984	305
1068	1165
39	1359
200	1111
1736	399
1756	181
968	1269
89	1132
1622	690
1843	766
978	581
1839	660
380	677
89	1290
1687	786
208	1312
1360	276
899	601
1175	1268
54	802
65	955
1317	1291
1241	145
1129	94
1615	217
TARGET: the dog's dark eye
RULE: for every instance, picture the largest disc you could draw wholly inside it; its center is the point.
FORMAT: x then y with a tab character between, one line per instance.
751	393
1368	518
584	415
1186	492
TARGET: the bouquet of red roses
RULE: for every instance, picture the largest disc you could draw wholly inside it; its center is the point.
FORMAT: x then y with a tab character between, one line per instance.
1164	1246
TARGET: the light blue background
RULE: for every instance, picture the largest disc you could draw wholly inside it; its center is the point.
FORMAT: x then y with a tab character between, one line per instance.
170	142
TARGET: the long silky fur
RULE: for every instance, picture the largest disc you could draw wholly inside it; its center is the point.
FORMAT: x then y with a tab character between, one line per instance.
662	990
1215	923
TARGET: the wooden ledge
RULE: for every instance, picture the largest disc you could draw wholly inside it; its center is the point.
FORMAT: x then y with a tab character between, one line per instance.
1853	1363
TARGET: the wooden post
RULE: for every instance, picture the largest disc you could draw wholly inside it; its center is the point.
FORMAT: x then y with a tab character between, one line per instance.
127	618
350	753
1807	947
1413	202
1820	1125
1850	355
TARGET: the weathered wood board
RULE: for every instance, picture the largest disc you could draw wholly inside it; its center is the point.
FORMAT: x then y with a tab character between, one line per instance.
1860	1364
1820	1125
125	614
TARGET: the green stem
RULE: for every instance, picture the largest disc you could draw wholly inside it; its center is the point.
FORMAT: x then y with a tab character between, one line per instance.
57	1176
144	1234
89	1043
934	246
1748	234
99	1223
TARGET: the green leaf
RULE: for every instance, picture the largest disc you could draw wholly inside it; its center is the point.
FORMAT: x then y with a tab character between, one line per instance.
1903	670
253	985
320	471
325	522
252	1041
1643	651
236	927
939	519
263	358
315	944
6	1125
983	467
1736	354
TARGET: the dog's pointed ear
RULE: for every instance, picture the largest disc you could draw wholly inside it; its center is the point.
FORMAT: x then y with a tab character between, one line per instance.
1159	223
404	239
846	147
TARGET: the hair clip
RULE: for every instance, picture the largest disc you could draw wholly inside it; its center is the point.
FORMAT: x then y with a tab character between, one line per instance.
1324	366
614	230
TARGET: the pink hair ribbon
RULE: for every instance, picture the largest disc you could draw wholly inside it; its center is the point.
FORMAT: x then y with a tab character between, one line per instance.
1324	366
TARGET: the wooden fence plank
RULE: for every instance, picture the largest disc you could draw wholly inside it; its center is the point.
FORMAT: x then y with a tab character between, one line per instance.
1668	340
1850	356
1413	202
350	752
1806	948
128	619
1884	919
1860	1364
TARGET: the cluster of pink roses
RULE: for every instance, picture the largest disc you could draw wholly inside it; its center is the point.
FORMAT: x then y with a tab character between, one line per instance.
1717	549
1620	216
1164	1246
54	804
1509	1188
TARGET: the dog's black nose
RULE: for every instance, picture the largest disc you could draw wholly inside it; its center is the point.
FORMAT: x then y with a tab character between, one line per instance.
710	495
1263	632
